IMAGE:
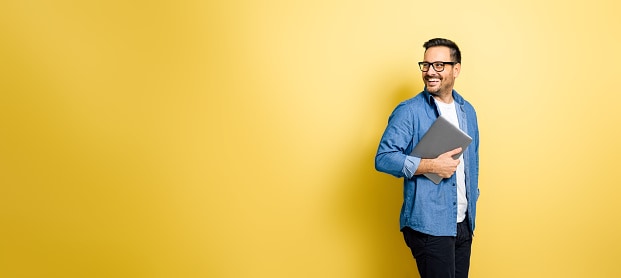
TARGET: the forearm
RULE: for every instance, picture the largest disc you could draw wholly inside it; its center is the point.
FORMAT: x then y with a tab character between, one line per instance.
426	166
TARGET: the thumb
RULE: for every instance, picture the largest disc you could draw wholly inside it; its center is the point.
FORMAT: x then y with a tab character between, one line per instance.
454	152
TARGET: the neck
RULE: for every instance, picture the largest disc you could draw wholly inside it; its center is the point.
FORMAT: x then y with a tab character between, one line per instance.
444	97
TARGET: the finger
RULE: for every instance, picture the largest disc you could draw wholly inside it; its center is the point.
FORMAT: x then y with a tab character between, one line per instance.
454	152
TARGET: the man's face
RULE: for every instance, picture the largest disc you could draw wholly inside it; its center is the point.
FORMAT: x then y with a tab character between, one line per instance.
440	83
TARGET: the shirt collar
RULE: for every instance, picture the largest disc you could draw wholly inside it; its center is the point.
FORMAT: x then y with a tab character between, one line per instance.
456	97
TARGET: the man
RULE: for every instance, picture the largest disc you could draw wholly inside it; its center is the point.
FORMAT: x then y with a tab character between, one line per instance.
437	221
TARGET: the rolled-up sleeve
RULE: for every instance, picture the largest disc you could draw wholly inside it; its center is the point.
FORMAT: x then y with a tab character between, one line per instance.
410	166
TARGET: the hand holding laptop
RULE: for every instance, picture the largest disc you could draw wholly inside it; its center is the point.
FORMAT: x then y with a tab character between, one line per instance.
445	164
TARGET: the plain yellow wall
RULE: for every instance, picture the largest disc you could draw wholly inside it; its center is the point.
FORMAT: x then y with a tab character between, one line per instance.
236	139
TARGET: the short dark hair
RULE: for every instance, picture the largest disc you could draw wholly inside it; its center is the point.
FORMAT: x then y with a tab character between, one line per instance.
455	53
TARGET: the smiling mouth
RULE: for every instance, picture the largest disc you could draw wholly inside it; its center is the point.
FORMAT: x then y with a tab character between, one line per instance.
433	80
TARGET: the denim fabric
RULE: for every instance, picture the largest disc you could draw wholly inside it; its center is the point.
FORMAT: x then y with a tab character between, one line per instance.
427	207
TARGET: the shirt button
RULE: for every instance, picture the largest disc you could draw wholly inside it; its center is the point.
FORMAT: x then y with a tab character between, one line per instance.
454	203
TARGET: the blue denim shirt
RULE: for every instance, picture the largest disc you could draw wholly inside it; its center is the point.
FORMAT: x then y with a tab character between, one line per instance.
427	207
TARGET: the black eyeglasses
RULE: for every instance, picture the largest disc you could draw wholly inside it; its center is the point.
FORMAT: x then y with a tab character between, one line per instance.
437	66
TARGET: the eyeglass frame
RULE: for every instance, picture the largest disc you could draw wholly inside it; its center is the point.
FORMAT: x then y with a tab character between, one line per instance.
432	64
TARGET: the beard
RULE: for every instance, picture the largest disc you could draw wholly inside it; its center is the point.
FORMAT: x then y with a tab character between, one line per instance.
443	86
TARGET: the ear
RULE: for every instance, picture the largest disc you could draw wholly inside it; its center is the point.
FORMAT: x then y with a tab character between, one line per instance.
456	70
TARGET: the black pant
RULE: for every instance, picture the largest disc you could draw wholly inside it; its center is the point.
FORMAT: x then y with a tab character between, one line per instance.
441	256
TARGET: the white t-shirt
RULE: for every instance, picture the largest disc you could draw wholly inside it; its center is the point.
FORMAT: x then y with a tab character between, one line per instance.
449	111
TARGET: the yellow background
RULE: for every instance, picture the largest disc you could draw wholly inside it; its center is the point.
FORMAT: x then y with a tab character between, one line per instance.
237	138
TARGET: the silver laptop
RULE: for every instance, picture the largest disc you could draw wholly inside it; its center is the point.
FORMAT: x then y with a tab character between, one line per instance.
441	137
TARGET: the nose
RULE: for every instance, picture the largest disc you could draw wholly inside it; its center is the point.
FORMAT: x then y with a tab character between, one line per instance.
430	71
